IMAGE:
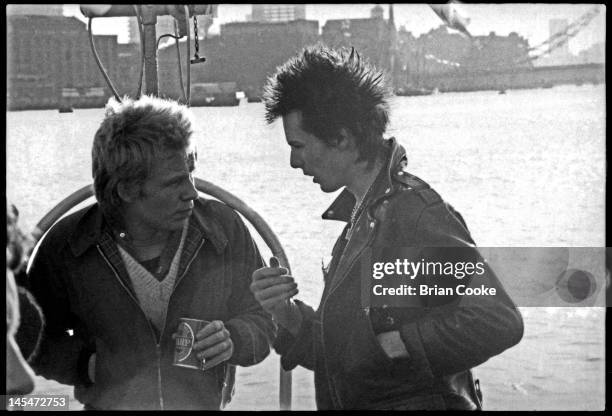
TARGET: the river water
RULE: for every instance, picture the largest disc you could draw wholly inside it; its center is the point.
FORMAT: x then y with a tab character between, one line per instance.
525	169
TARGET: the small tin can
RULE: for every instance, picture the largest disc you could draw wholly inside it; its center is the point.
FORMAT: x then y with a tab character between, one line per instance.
184	355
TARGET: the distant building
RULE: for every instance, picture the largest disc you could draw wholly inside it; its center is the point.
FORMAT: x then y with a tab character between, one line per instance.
128	65
594	54
495	53
35	9
371	37
559	47
377	12
438	51
48	53
278	12
243	52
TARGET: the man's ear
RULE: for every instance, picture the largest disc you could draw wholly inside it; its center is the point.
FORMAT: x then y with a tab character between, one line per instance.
346	141
128	192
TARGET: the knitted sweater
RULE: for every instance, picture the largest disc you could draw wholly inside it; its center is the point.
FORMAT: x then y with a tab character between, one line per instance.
153	294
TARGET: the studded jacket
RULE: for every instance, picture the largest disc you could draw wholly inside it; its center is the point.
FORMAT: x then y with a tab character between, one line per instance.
338	340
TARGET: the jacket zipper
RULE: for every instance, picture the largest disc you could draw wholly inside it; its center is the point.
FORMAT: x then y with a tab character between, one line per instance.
178	280
157	346
159	377
329	380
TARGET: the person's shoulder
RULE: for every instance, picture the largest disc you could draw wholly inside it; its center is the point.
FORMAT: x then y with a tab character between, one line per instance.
413	193
67	225
216	209
222	219
416	207
222	215
416	198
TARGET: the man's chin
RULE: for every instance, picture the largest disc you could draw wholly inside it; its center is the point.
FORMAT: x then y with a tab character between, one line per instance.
328	189
176	224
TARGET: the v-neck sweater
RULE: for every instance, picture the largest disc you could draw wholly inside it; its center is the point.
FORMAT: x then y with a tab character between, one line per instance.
153	295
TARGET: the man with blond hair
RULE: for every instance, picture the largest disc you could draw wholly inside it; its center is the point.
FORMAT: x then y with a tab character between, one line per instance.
115	278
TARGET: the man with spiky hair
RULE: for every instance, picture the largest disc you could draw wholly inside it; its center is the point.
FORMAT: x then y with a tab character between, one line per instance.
115	278
334	109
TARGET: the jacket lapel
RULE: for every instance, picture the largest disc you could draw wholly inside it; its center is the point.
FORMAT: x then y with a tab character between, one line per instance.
364	230
360	238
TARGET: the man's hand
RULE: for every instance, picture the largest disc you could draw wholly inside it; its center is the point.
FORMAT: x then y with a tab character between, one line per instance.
273	288
393	345
213	344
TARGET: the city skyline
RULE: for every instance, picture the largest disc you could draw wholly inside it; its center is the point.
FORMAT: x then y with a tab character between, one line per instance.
528	20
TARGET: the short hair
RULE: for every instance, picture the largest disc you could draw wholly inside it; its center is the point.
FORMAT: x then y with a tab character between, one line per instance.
132	136
333	89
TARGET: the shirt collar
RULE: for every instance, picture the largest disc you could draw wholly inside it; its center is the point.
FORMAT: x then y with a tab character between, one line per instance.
92	225
341	208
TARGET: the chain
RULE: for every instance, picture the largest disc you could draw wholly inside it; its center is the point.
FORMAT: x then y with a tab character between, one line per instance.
360	205
358	209
196	56
195	33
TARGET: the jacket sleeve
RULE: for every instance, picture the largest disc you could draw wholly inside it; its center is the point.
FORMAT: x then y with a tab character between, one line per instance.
299	349
252	329
466	332
61	354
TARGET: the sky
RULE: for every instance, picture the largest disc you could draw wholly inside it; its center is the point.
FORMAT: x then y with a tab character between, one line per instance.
529	20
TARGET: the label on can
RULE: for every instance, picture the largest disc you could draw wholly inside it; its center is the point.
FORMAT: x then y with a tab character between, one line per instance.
184	355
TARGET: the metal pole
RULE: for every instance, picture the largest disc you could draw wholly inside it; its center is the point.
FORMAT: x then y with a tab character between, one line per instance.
285	389
149	19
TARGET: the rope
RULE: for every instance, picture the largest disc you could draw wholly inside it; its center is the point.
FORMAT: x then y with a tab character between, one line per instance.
100	66
142	53
178	54
167	35
188	60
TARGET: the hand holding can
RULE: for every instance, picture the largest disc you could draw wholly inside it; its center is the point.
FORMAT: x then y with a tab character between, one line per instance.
185	339
213	344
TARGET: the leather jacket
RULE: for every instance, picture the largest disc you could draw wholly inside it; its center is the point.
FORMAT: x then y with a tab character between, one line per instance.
338	340
82	285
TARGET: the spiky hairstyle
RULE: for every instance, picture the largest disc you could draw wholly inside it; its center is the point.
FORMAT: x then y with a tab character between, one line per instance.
333	89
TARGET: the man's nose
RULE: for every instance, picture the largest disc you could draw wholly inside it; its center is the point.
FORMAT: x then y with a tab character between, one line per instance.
295	161
19	376
190	193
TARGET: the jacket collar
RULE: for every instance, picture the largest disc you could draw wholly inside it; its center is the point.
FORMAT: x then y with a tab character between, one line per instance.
340	209
92	225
